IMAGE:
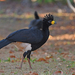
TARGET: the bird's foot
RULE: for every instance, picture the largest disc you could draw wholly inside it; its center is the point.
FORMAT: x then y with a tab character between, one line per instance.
18	67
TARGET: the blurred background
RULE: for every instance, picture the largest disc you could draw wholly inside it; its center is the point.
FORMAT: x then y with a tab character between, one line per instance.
14	11
58	53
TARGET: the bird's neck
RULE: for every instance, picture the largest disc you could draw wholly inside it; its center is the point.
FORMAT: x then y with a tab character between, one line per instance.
46	31
45	35
45	28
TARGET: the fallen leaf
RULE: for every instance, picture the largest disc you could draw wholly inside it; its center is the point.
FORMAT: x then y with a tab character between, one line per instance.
31	73
24	61
1	71
12	61
34	73
21	50
12	72
48	57
12	56
11	51
41	59
58	72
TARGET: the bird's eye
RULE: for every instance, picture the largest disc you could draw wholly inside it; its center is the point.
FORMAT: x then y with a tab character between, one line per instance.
49	21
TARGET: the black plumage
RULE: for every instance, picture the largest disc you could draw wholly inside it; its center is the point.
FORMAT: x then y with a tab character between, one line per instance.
31	36
34	36
36	15
37	23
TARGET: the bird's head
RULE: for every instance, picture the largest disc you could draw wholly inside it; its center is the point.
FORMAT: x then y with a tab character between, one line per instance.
48	20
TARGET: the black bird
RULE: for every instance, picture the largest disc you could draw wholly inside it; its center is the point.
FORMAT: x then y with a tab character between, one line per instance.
36	23
33	36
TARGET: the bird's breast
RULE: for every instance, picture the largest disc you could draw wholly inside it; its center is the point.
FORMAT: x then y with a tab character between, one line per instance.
38	45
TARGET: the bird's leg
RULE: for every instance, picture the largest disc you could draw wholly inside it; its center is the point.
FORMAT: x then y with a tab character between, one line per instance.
20	64
24	55
29	63
28	58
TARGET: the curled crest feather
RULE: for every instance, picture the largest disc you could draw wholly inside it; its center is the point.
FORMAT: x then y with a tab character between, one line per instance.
36	15
48	17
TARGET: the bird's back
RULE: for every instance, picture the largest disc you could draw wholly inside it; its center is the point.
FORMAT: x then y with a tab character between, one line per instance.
36	24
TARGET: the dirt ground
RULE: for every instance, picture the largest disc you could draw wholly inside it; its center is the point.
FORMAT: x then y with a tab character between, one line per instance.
56	56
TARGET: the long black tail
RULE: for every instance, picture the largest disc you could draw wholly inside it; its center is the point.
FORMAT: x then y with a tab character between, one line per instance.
4	42
36	15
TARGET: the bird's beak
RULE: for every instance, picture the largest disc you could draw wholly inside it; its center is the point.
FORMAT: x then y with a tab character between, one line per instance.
53	22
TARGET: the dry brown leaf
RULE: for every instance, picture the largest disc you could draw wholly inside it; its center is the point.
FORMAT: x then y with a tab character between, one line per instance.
31	73
34	73
24	61
12	56
41	59
12	72
11	51
51	56
1	71
12	61
48	57
64	53
58	72
21	50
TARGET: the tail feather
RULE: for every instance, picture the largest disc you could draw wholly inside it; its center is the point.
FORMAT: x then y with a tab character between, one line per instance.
36	15
4	42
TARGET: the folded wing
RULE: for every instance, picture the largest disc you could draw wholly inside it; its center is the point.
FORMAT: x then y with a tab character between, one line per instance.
26	35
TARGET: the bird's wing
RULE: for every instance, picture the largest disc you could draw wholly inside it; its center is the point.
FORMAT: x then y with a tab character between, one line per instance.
32	36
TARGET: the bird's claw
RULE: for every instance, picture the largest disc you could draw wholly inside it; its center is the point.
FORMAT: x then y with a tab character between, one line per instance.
18	67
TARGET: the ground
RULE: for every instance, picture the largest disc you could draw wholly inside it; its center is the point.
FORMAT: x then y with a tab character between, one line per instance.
57	55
